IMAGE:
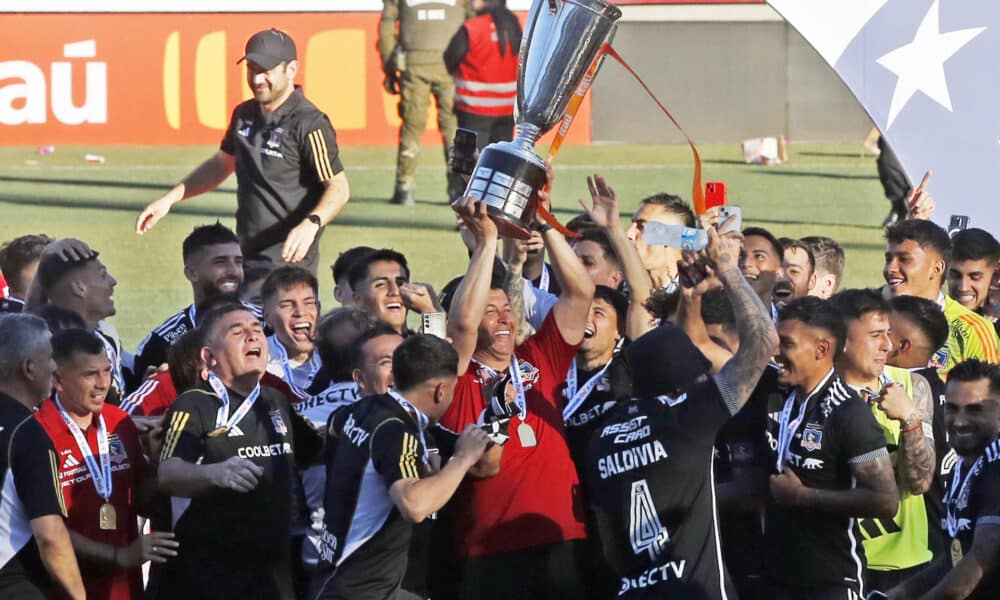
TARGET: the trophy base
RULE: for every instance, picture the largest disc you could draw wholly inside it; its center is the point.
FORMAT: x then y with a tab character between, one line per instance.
508	178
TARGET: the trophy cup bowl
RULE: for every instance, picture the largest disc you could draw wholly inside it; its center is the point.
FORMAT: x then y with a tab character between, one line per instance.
561	40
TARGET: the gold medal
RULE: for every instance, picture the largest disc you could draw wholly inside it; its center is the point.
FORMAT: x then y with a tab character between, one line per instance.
956	551
108	517
526	435
218	431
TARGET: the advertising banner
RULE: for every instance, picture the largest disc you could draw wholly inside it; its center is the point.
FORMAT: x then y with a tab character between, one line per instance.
162	78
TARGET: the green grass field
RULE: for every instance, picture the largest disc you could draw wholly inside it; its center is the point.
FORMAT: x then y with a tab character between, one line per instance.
823	190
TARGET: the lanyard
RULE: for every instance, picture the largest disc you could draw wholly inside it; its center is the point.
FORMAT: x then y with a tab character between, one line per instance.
100	473
223	412
192	313
422	421
116	368
958	489
543	279
575	397
786	431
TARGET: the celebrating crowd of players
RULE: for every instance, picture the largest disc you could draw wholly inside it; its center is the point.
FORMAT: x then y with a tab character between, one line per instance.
590	417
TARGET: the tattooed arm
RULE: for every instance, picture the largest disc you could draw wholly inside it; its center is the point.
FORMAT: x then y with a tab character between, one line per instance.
758	337
966	577
513	284
915	465
874	495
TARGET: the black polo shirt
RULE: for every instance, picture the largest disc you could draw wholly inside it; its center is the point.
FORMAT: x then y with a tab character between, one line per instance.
233	544
30	489
282	161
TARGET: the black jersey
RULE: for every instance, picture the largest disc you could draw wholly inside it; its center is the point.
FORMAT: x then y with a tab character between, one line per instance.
741	451
804	548
370	446
30	489
944	458
152	350
649	477
611	386
11	305
973	500
232	543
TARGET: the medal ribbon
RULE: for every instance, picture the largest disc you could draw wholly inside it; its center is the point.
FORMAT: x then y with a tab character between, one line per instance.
786	429
543	279
576	398
223	394
697	193
423	422
100	473
515	377
279	353
957	490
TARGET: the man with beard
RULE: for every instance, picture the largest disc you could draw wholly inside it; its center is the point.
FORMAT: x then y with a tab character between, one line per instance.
230	454
213	264
969	569
831	465
916	261
290	182
381	284
84	286
903	407
291	307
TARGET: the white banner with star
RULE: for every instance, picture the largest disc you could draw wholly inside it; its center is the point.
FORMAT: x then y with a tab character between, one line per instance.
926	73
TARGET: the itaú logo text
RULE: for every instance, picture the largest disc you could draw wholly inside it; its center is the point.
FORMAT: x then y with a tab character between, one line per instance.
23	100
331	69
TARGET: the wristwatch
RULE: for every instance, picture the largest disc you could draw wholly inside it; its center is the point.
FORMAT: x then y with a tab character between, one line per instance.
314	219
540	226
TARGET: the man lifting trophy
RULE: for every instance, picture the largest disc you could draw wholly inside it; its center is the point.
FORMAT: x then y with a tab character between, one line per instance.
562	38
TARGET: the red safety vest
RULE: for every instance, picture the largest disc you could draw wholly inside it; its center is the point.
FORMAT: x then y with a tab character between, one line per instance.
486	82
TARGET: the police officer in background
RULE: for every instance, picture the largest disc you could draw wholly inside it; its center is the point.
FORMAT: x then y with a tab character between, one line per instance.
412	58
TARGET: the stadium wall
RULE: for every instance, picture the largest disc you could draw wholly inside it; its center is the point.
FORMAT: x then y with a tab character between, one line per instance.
117	76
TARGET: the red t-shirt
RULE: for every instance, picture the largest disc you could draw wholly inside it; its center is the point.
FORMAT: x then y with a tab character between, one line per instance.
535	498
152	398
82	502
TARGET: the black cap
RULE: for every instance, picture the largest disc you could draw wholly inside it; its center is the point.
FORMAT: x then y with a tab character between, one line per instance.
269	49
664	360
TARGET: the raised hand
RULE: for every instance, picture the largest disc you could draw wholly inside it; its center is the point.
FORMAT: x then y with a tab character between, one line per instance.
475	217
603	209
723	251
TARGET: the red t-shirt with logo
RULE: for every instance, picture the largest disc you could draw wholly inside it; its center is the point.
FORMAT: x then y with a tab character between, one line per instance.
82	502
535	498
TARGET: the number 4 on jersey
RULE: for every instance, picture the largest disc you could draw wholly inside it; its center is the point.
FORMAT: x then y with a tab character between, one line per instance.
645	530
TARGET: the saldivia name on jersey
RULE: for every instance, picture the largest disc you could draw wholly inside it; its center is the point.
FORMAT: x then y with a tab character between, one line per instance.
626	432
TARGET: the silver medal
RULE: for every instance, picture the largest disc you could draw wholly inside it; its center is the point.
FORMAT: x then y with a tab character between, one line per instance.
526	435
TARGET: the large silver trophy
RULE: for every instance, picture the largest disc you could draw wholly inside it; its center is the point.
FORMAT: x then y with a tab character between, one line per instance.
561	39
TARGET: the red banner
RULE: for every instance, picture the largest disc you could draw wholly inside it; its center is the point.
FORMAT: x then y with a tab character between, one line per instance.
150	79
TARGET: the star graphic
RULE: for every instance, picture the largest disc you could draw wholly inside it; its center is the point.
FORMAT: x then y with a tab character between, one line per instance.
919	65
